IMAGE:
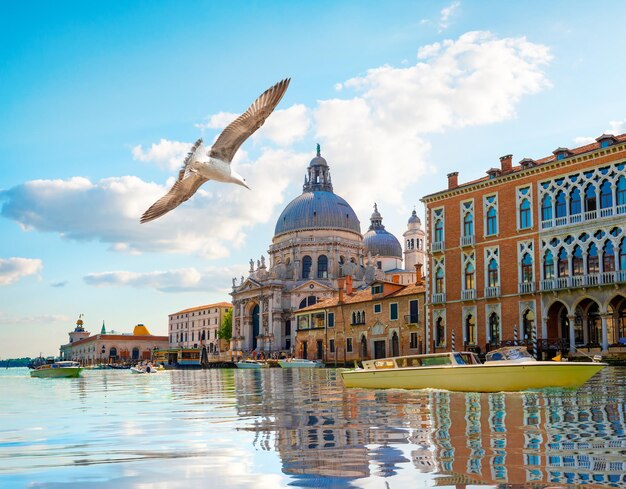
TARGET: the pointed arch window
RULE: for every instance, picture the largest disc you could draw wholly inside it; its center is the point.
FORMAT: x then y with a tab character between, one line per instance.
561	205
562	264
524	215
620	191
492	221
574	202
590	198
492	273
306	266
322	266
440	332
438	233
527	268
439	286
494	329
470	330
363	347
468	224
608	257
548	265
606	195
470	280
593	261
546	208
577	261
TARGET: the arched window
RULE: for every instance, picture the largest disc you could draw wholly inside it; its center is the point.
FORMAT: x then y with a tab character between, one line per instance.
322	266
622	255
563	267
574	202
577	261
395	345
527	324
593	261
525	219
135	353
470	282
608	257
494	329
561	205
548	265
590	198
468	224
438	231
354	318
606	195
492	273
527	268
492	221
113	352
363	347
440	333
309	301
546	208
470	330
439	281
620	191
306	266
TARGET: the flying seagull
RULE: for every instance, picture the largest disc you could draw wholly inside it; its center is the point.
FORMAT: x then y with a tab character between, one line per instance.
201	165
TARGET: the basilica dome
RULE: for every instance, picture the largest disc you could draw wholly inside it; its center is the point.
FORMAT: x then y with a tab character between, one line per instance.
379	241
318	207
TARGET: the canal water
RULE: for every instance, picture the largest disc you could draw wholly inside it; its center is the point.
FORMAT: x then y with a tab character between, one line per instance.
301	428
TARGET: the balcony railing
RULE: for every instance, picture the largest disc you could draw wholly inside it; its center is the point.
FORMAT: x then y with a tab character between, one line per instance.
620	209
439	298
580	217
560	221
608	212
436	246
468	295
577	281
467	240
411	318
526	287
575	218
590	215
492	291
591	280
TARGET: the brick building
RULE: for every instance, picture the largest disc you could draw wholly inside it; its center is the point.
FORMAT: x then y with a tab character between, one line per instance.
538	248
385	319
196	327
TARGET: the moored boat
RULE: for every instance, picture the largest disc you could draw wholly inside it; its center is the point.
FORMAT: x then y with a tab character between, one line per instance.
57	370
144	369
249	363
300	363
507	369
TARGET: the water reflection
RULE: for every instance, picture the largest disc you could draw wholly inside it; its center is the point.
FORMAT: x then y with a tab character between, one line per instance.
301	428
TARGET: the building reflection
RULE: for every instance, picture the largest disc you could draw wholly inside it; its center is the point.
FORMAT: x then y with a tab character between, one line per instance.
321	430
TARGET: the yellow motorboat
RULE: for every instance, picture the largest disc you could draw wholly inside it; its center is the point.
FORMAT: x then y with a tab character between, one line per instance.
57	370
506	369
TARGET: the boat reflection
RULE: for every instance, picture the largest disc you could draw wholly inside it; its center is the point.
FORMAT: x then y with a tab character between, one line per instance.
321	430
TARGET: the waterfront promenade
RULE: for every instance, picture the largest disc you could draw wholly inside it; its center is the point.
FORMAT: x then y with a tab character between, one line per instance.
301	428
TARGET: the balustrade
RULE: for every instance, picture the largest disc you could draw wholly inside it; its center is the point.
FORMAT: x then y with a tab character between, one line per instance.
492	291
467	240
469	294
436	246
526	287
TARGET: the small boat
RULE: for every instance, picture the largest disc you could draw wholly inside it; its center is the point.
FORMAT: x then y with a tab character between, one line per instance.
57	370
144	369
507	369
249	363
300	363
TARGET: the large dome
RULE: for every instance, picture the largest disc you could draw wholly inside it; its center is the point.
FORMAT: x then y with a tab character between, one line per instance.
379	241
317	210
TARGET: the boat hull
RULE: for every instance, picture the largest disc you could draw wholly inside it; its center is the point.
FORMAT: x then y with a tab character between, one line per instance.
246	365
476	378
55	373
299	364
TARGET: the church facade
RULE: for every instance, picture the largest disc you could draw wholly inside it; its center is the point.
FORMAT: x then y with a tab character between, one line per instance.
317	240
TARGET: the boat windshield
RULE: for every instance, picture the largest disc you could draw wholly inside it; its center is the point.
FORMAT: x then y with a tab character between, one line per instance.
463	359
434	361
509	353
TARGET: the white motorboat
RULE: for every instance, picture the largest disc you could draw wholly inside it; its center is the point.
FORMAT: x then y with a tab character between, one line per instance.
300	363
144	369
249	363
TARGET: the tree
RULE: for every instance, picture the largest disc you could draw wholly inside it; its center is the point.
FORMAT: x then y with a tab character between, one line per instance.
226	329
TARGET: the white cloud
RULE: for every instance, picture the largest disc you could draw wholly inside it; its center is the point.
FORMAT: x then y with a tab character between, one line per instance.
166	154
583	140
108	210
217	121
180	280
615	127
47	319
13	269
446	13
285	127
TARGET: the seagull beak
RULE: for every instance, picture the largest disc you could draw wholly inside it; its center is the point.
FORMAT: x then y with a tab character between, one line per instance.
244	184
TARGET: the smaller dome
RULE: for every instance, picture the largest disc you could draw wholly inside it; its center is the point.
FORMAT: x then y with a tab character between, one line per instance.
141	330
379	241
414	219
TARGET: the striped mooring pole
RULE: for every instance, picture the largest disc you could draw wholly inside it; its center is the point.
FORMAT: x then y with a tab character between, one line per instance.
453	345
533	332
515	335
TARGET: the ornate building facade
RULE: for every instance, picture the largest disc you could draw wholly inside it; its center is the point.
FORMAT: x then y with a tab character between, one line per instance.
317	240
533	251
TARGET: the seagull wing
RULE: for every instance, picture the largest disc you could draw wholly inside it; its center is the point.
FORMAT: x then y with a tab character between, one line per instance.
182	190
244	126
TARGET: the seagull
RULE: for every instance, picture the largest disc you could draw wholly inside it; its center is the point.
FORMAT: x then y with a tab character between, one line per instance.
201	165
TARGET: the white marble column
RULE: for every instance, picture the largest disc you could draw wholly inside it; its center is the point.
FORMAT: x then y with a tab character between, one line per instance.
605	335
572	335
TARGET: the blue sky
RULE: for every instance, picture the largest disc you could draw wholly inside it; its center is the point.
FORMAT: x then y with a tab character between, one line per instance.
99	101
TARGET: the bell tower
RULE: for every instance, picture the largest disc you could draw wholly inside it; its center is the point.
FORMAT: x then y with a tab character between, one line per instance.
414	241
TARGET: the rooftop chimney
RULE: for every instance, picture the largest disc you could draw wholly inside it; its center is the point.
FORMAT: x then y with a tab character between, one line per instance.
340	284
506	163
453	179
418	274
349	284
395	279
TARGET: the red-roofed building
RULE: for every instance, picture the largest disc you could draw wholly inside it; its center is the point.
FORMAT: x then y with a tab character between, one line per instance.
537	250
